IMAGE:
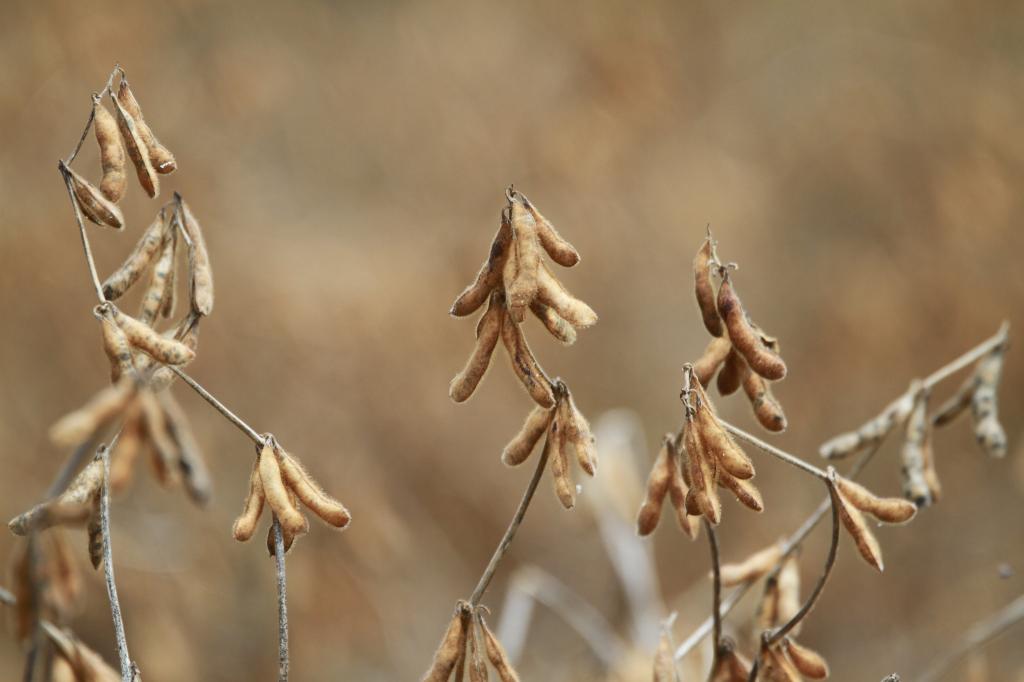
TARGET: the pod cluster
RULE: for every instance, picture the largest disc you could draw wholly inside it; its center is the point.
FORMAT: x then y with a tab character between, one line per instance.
740	352
279	481
123	135
45	581
468	649
920	480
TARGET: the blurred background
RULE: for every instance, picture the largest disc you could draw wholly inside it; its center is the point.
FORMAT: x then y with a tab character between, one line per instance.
348	161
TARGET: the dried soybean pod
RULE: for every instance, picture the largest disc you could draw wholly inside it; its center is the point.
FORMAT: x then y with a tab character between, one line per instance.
524	364
554	323
744	337
116	347
153	299
76	427
551	293
987	430
767	615
560	250
164	451
161	159
477	665
126	451
731	376
490	275
559	459
187	332
931	476
731	666
112	158
777	668
310	493
496	653
138	260
885	509
807	661
677	490
65	581
145	338
277	494
766	408
490	328
524	442
245	524
658	482
94	529
94	205
578	433
169	296
912	455
138	152
664	662
452	646
789	592
705	290
716	442
745	491
708	363
751	568
858	529
201	274
521	286
190	459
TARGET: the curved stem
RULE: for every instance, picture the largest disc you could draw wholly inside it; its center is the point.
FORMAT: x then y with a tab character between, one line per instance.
282	604
716	591
510	532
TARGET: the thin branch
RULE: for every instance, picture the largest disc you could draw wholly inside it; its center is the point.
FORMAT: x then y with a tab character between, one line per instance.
219	406
282	604
510	532
108	569
716	592
81	230
978	635
976	353
792	460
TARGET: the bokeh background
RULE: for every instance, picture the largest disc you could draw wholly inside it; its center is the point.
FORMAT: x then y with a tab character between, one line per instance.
862	162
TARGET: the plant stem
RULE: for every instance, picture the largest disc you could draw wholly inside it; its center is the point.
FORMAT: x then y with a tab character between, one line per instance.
219	406
81	230
282	604
792	460
510	532
716	592
108	568
976	636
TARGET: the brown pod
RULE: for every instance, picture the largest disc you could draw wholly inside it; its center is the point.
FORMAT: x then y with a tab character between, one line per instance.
93	204
789	592
708	363
745	338
987	430
138	152
913	456
678	490
145	338
524	364
559	458
554	323
658	483
731	376
127	449
807	661
190	461
775	667
496	653
164	450
523	443
488	331
664	662
521	281
577	433
170	294
931	476
277	494
116	348
94	529
187	332
730	666
137	261
885	509
720	446
161	281
766	408
745	491
477	665
112	159
200	271
310	493
705	290
490	275
452	647
751	568
162	160
560	250
83	424
767	615
65	581
551	292
858	529
245	524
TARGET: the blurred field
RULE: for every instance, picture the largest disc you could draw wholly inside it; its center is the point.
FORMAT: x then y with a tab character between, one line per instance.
861	162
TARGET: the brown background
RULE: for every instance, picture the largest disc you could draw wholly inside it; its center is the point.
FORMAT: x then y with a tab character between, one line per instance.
862	163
